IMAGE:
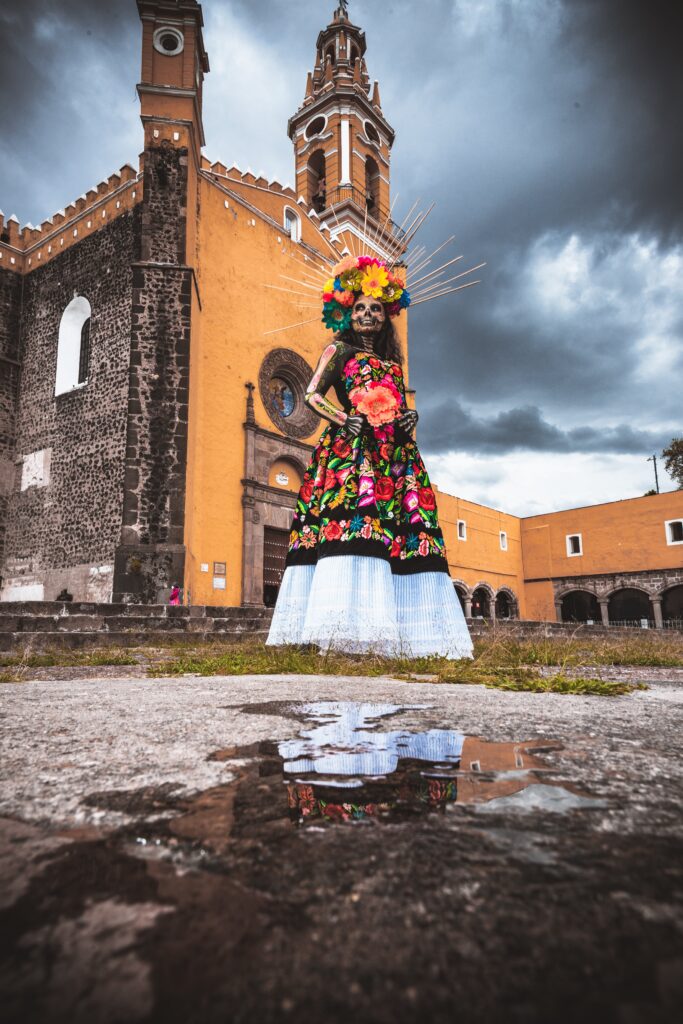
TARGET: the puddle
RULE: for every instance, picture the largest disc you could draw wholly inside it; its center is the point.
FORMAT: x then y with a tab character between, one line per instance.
347	764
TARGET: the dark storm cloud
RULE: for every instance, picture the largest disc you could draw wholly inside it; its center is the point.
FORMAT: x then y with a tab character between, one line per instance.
68	70
528	122
635	49
36	36
450	428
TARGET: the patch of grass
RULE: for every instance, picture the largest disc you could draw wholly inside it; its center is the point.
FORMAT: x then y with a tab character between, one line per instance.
68	659
576	650
257	659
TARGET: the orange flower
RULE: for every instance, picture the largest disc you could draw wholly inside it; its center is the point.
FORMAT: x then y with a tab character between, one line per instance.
378	405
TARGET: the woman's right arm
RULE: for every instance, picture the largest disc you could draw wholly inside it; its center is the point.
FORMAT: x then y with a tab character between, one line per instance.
326	372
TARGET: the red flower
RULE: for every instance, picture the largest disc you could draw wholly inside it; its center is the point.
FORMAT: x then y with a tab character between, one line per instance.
332	531
386	450
335	813
396	370
423	549
396	546
427	499
331	480
341	447
306	492
375	363
384	488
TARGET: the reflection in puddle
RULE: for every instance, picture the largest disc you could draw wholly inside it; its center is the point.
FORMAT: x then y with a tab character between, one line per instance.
343	768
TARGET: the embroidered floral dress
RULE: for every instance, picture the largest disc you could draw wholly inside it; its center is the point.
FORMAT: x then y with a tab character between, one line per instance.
370	494
366	566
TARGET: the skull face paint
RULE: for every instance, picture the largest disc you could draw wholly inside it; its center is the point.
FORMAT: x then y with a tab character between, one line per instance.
368	316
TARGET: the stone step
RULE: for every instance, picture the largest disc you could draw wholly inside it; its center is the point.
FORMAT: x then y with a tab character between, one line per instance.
39	642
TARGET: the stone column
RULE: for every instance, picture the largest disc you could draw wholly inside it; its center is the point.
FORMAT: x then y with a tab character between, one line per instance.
656	603
558	611
468	607
604	610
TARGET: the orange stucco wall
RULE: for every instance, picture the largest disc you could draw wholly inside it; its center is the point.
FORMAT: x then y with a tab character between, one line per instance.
237	253
479	558
620	536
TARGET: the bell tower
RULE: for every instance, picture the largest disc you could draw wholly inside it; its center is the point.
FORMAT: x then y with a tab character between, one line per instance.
342	141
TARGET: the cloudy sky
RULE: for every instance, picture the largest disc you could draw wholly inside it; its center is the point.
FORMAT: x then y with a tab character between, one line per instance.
547	131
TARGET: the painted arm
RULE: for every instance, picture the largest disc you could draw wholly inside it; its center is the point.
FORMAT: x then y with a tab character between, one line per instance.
329	366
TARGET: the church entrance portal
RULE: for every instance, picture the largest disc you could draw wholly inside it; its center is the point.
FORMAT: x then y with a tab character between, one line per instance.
274	554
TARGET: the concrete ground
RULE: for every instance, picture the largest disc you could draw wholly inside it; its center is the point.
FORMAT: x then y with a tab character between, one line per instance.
159	862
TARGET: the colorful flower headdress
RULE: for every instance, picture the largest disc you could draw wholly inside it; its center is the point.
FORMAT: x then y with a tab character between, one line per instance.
361	275
400	277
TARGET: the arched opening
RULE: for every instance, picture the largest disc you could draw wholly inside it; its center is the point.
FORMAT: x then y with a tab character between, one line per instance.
580	606
317	185
672	605
330	54
292	224
628	607
355	53
504	605
481	604
461	596
372	185
73	346
285	475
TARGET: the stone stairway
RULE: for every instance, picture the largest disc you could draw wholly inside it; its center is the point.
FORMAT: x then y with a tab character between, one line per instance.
44	624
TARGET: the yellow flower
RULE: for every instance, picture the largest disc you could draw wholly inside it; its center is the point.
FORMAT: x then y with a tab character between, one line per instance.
374	281
329	285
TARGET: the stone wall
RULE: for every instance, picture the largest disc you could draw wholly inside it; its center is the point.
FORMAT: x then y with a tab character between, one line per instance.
151	554
10	313
653	582
64	514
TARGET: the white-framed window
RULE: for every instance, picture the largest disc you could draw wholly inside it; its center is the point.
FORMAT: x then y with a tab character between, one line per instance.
462	529
574	545
292	224
73	346
503	540
674	531
168	40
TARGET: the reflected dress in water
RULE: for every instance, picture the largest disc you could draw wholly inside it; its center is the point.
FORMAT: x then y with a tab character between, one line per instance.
366	567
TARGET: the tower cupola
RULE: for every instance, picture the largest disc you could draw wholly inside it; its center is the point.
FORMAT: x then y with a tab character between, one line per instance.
342	141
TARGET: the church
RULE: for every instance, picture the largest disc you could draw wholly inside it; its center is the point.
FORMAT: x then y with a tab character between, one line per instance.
153	428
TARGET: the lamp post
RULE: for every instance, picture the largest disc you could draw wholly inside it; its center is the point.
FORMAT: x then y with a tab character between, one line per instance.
653	459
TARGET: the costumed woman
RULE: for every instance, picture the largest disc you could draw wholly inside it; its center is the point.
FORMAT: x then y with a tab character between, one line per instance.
366	568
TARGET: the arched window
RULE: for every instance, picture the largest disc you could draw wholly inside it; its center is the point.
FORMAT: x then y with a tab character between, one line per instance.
372	185
316	183
292	224
73	346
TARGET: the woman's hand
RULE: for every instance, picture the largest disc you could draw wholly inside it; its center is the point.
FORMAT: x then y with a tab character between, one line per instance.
408	421
353	425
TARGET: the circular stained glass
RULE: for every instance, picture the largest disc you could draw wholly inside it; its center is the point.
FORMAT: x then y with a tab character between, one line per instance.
281	397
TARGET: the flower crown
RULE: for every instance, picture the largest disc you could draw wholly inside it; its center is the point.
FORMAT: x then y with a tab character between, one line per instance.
364	275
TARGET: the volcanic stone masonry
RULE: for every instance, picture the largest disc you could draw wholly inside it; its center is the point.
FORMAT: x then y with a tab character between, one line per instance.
63	531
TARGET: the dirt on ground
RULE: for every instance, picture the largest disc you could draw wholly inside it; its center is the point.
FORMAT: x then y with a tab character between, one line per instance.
541	882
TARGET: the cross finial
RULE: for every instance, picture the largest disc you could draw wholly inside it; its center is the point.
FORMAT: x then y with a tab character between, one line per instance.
343	8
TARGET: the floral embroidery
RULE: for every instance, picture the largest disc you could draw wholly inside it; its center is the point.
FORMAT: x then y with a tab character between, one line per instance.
371	489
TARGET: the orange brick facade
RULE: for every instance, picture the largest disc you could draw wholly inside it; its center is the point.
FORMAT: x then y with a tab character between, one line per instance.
224	454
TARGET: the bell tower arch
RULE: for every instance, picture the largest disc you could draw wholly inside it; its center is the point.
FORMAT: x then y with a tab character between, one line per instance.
342	141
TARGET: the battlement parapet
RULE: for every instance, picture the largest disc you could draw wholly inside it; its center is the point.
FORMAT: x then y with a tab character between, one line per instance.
24	248
234	173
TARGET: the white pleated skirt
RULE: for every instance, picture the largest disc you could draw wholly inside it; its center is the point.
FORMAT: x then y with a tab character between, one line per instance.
355	604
